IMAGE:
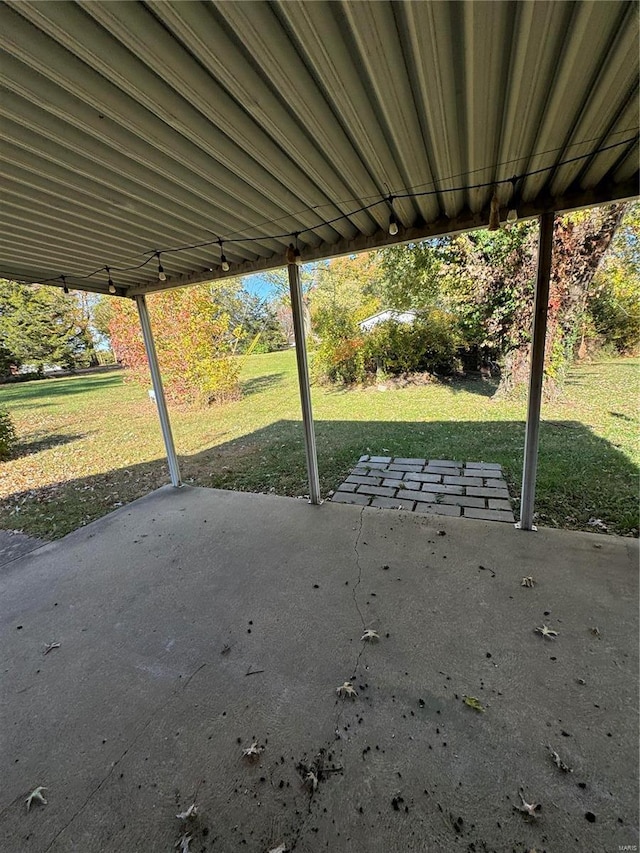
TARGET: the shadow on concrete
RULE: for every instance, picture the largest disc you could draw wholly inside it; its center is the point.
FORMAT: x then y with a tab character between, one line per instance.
581	476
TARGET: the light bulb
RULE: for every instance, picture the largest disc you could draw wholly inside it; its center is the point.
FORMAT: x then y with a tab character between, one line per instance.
225	263
393	225
112	288
512	215
297	258
161	272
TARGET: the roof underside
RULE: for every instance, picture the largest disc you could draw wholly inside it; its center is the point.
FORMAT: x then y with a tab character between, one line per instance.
137	127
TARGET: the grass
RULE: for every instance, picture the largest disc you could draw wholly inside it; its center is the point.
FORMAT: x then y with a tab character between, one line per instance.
92	443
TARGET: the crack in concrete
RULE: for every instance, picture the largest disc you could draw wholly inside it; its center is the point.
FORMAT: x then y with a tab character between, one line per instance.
357	584
180	689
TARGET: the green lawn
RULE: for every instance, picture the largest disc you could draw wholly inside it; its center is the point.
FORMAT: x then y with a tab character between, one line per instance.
91	443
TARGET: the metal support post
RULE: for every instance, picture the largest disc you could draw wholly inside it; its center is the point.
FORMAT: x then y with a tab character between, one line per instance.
156	379
540	309
303	382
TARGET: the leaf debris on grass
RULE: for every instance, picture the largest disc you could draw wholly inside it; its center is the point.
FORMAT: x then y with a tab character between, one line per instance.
60	487
346	689
474	703
36	796
546	633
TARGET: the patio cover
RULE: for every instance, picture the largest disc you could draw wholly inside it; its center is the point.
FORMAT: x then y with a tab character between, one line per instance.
136	128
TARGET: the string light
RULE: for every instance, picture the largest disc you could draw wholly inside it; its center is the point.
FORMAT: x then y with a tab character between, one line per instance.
393	222
393	227
223	261
161	273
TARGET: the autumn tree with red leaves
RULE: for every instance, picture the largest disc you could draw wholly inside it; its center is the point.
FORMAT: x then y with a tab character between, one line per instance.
194	341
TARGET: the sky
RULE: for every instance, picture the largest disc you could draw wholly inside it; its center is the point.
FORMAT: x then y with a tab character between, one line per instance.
259	286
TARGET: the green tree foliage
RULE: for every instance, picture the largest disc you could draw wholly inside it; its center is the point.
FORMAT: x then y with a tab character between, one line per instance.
41	325
350	284
254	321
487	280
346	354
614	299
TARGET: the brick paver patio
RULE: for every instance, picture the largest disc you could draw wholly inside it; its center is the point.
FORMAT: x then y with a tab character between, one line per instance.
437	486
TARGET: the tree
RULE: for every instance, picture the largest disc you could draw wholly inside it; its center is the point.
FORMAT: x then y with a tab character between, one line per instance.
487	279
579	243
255	320
41	325
194	341
614	298
350	283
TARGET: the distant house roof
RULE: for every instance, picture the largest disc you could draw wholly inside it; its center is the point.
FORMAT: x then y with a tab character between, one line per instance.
388	314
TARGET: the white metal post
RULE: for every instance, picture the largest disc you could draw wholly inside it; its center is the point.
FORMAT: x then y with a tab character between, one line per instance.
540	309
303	381
156	379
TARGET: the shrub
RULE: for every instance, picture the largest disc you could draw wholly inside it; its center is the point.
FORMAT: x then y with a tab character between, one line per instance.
8	436
348	355
428	344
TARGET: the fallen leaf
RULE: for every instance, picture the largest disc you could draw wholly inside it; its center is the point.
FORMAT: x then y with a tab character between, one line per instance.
558	761
528	581
311	780
529	809
49	646
474	703
370	635
252	751
183	844
36	797
346	689
191	812
281	848
547	633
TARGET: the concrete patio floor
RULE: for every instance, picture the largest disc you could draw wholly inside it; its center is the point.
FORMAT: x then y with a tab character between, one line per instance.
165	608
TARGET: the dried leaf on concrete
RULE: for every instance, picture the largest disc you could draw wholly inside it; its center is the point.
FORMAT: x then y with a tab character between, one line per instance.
253	751
346	689
474	703
191	812
36	796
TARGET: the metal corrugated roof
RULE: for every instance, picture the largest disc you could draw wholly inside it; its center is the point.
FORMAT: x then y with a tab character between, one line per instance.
134	127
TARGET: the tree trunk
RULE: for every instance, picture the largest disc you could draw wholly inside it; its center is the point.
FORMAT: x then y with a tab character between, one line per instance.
579	243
